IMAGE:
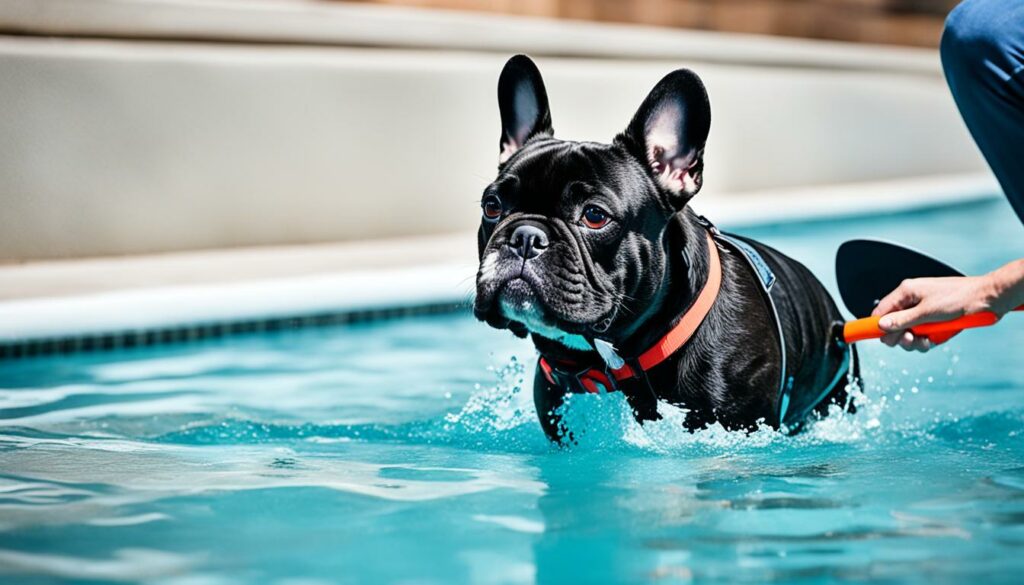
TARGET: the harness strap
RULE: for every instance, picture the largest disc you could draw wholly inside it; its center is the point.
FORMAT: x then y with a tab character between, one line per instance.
692	317
766	278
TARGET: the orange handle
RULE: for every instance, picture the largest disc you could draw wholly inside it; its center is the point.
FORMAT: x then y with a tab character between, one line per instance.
867	328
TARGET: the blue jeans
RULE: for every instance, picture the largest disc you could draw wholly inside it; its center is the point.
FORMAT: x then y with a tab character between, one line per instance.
983	56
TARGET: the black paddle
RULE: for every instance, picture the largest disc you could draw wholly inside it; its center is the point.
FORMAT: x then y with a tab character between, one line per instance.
867	270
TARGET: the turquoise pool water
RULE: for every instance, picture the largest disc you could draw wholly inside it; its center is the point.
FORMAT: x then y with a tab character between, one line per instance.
408	452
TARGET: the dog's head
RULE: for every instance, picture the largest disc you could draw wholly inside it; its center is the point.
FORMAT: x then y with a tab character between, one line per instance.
572	233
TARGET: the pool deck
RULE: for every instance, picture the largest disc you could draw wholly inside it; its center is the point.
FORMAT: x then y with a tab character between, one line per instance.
52	299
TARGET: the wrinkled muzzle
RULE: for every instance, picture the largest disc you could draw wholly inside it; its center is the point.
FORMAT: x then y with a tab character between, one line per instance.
532	272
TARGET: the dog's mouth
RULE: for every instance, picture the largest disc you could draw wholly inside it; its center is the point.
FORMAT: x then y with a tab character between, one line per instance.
519	301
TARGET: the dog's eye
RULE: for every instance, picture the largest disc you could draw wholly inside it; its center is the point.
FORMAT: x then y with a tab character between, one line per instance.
492	208
594	217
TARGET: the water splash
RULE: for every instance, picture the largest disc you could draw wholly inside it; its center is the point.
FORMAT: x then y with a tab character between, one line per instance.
500	417
603	422
501	407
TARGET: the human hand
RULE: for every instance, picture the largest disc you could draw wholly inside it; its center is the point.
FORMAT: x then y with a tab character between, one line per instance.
927	300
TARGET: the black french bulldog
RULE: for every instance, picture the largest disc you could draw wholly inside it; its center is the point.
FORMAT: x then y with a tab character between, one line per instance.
592	249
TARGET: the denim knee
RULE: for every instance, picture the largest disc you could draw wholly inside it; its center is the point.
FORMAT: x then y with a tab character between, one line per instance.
979	34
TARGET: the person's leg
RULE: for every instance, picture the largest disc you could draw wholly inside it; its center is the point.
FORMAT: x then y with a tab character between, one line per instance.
983	56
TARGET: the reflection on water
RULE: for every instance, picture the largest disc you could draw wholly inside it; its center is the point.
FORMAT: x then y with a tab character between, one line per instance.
409	452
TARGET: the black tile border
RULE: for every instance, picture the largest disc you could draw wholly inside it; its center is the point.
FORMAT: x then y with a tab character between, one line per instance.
117	340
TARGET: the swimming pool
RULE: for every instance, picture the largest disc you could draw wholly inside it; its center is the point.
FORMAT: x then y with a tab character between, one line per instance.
407	451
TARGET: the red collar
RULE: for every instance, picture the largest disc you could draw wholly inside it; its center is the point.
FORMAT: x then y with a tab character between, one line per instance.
670	343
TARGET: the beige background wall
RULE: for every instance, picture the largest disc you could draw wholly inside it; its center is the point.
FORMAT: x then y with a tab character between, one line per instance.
118	146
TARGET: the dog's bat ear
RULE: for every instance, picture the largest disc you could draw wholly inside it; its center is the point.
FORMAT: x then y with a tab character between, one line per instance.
523	103
668	132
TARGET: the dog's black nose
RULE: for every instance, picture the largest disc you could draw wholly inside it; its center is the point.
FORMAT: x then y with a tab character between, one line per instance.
528	241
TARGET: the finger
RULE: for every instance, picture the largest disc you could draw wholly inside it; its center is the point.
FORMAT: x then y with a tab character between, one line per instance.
907	341
904	319
922	344
892	339
903	297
